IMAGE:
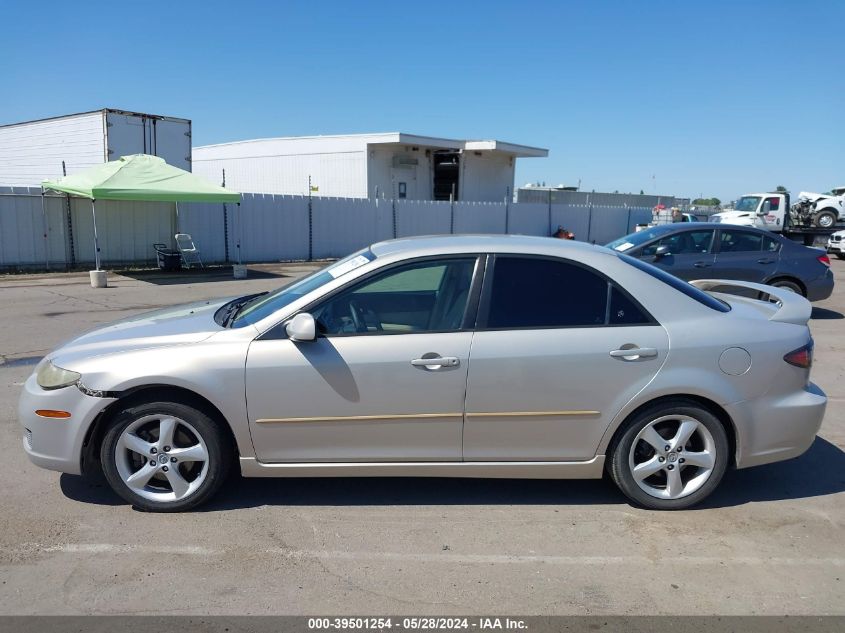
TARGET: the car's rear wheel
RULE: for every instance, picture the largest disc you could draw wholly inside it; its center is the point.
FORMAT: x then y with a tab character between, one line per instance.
787	284
164	456
670	456
825	219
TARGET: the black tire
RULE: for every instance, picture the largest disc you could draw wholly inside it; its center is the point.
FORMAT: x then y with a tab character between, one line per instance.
217	445
621	448
840	255
825	219
788	284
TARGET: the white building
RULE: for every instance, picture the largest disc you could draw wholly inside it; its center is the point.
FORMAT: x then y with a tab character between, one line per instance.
367	166
33	151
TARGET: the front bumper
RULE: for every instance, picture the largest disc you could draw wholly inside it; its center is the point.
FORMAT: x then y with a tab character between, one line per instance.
52	443
777	427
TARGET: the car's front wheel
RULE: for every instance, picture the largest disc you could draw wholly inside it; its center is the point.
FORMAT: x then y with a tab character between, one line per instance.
164	456
670	456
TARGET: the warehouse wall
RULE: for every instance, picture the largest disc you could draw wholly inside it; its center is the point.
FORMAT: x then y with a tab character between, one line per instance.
382	176
266	227
486	177
282	166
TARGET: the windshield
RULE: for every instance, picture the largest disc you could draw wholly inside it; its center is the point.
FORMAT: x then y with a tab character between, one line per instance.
265	305
636	239
747	203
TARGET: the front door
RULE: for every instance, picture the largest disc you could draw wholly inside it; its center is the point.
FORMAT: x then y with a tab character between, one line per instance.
690	254
384	380
542	384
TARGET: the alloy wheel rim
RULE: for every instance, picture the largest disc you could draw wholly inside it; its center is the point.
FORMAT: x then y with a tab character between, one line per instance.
672	457
161	458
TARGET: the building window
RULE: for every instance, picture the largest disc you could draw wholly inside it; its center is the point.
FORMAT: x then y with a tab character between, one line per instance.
403	190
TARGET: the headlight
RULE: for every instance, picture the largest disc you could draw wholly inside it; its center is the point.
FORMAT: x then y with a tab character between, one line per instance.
51	377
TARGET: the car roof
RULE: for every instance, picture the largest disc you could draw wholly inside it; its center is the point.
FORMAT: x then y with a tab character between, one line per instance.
712	225
434	244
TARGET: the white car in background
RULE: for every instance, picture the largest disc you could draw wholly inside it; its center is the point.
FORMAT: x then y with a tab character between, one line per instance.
836	244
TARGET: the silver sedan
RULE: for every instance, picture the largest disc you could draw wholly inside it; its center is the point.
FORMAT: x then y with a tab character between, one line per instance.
463	356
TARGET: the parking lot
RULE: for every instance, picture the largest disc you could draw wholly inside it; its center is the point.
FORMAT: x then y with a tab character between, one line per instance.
769	541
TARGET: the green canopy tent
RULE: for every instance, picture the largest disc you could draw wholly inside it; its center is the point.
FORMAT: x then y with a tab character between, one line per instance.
138	177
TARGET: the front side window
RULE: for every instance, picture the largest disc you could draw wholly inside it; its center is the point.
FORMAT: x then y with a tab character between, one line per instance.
426	296
683	243
547	293
740	242
774	203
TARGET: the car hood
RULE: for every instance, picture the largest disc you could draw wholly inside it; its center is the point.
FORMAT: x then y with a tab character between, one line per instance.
812	196
733	217
178	325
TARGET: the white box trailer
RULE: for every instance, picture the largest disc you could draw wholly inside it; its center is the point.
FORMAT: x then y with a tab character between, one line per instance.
36	150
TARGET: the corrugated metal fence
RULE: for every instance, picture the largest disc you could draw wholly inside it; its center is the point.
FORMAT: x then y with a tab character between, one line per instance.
267	228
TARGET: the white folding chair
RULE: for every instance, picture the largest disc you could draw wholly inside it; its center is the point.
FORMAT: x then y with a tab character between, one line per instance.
188	250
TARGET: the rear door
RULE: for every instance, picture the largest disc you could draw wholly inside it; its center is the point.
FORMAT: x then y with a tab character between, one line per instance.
542	383
690	253
745	255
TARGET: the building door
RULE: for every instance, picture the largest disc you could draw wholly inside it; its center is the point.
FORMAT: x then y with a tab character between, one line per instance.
446	174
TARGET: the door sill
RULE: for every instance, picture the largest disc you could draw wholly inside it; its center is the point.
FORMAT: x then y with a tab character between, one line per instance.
591	469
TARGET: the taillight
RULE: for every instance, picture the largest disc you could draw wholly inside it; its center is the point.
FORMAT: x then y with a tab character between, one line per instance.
824	259
801	357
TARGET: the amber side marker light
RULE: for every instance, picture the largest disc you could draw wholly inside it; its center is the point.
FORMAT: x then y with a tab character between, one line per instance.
50	413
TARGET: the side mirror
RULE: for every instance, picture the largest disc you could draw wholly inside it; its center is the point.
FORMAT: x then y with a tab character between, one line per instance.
662	251
301	328
765	209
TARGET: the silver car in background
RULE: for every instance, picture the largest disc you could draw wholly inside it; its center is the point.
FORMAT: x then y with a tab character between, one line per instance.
454	356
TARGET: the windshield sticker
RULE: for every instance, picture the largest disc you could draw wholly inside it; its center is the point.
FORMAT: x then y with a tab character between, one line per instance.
349	266
624	247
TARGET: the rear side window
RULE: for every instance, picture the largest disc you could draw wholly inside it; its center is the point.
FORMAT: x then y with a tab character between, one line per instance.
537	293
771	245
623	310
678	284
740	242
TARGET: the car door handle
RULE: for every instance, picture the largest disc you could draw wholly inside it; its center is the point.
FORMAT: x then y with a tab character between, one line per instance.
634	353
702	264
436	361
765	261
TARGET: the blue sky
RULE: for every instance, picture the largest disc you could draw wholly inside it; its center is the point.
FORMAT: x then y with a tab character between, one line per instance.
685	98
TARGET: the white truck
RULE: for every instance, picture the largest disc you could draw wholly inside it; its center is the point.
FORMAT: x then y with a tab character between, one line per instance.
814	217
50	148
